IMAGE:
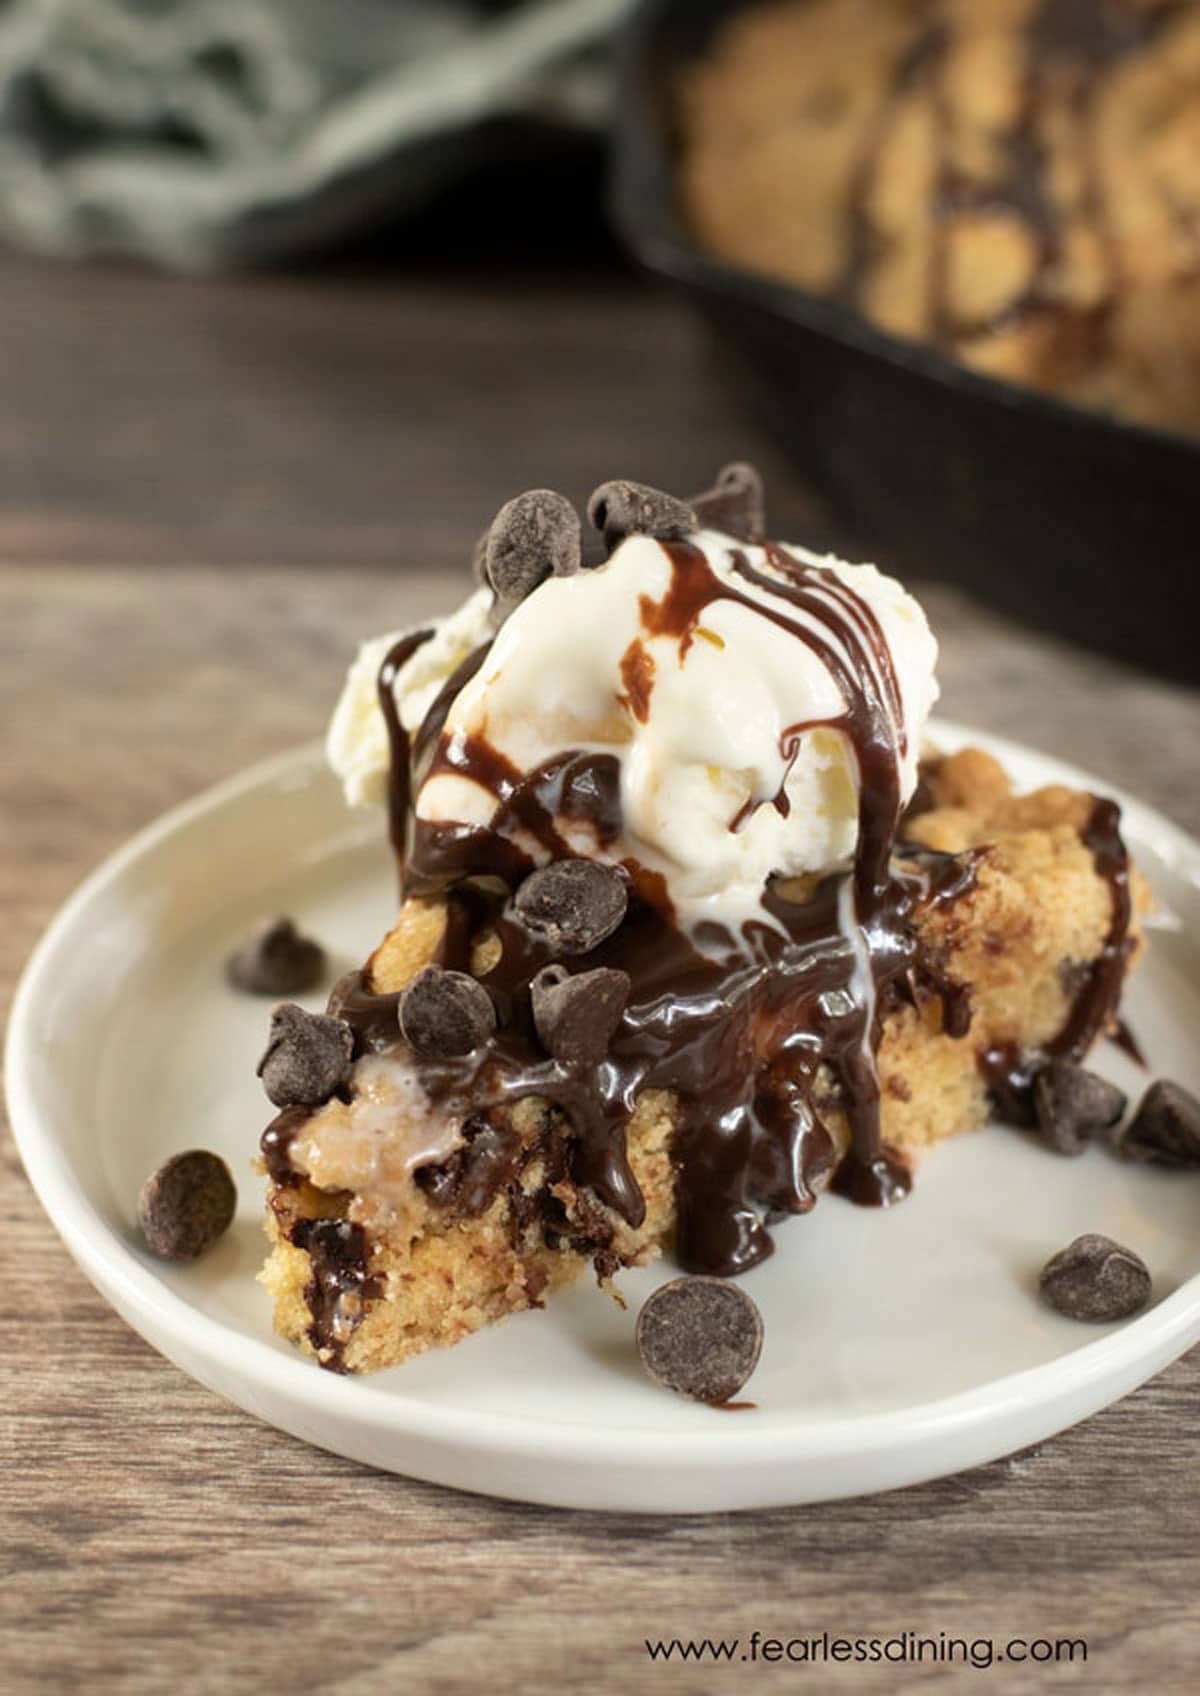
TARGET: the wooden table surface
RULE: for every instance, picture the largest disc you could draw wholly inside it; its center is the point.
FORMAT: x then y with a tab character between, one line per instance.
153	1537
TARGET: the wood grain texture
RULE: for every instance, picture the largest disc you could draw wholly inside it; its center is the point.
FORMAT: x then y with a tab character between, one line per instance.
372	418
154	1538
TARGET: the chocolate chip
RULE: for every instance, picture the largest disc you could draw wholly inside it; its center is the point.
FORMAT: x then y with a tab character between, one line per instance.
572	904
1096	1280
620	509
1073	1103
1165	1130
575	1017
533	537
307	1057
444	1014
275	959
186	1205
735	503
701	1337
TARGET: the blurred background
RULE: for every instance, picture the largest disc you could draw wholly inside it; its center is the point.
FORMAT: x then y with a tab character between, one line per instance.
312	284
294	282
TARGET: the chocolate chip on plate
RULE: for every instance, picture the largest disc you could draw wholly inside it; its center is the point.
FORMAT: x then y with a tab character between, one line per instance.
701	1337
735	503
1096	1280
307	1057
275	959
443	1014
1165	1130
572	904
575	1017
1072	1104
186	1205
620	509
534	536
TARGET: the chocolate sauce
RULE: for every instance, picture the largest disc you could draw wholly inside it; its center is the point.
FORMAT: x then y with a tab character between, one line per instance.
755	1032
399	775
637	674
275	1144
1010	1074
374	1019
577	789
340	1284
1123	1038
471	1179
746	1029
428	737
1097	999
738	1033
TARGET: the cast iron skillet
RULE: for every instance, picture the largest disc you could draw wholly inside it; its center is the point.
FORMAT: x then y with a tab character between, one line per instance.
1068	519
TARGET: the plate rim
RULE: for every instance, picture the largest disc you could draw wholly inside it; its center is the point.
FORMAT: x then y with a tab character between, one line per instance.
111	1263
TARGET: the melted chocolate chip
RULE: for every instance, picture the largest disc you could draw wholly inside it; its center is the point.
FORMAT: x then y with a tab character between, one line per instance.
700	1337
573	905
445	1014
1009	1074
307	1057
1072	1104
186	1205
734	504
340	1287
275	959
620	509
575	1017
756	1029
471	1179
1096	1280
533	537
276	1143
1165	1130
399	766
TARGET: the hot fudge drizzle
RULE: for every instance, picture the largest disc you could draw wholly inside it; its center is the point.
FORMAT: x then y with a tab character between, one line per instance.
1009	1074
756	1032
761	1031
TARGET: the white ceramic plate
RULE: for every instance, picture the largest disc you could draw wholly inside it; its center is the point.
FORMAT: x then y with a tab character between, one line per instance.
900	1345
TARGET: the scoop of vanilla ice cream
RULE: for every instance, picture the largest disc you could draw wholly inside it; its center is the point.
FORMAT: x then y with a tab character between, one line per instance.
356	744
700	729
